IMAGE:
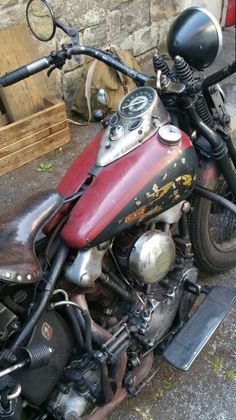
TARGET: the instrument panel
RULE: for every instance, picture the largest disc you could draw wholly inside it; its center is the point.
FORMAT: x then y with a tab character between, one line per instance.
137	102
137	119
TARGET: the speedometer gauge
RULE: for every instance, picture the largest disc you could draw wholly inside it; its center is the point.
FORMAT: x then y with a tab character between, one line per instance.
137	102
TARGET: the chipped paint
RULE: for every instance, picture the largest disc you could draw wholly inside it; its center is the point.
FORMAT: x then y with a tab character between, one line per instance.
170	192
155	188
137	202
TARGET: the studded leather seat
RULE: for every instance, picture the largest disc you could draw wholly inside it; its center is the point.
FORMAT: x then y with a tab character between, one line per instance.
18	230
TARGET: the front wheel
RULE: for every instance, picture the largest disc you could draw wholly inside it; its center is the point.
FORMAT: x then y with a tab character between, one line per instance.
213	234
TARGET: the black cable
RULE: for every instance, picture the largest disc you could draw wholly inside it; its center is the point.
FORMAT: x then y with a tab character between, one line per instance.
53	236
46	294
231	149
76	327
219	147
105	382
218	199
88	332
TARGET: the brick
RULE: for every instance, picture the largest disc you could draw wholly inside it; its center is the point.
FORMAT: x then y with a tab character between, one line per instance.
114	26
134	15
96	35
163	9
7	3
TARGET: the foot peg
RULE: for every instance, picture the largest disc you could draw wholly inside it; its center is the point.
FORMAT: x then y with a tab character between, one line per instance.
188	343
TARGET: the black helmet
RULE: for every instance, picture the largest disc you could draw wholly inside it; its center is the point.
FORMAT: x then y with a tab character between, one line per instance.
196	36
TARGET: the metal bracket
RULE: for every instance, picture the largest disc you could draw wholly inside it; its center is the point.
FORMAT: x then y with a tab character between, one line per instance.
217	96
73	34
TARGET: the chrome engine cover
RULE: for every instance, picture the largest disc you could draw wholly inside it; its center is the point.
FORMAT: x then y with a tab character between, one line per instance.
71	405
152	256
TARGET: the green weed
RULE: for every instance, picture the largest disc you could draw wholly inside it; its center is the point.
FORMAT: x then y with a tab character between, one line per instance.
45	167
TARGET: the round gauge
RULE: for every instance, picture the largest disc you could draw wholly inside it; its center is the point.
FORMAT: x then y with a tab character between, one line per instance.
137	102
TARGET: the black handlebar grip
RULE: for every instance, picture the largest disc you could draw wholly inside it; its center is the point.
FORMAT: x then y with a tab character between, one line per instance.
25	71
14	76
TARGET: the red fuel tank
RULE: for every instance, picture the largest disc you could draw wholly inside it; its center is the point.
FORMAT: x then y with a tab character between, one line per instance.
138	186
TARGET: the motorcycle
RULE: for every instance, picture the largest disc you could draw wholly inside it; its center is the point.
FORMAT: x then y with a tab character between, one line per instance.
113	279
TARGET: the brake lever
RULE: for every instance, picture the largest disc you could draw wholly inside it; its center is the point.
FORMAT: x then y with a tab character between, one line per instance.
49	72
58	61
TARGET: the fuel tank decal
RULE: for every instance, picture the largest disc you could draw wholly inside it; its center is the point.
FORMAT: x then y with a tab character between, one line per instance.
183	180
174	189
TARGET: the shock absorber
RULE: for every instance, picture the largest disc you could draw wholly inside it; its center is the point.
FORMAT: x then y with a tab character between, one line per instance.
160	64
203	111
185	74
183	70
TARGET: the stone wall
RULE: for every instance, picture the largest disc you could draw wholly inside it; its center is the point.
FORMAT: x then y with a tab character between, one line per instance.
139	25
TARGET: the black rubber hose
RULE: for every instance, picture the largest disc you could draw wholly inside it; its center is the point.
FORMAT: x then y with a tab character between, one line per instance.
76	327
219	147
231	149
106	385
46	294
218	199
48	253
228	172
214	138
88	332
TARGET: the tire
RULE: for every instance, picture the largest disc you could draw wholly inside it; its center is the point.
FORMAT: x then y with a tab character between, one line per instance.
213	254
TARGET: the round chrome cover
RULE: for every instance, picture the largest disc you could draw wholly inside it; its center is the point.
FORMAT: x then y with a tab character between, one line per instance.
169	134
152	256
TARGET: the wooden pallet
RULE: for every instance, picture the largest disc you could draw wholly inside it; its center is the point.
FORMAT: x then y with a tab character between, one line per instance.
24	98
34	136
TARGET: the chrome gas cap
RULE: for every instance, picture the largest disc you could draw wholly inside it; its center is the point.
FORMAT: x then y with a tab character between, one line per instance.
169	134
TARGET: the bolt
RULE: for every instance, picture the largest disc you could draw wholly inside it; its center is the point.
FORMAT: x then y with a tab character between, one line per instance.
186	207
107	145
85	279
226	119
133	329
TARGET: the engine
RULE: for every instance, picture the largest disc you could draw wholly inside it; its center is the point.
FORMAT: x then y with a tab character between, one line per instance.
128	292
147	258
